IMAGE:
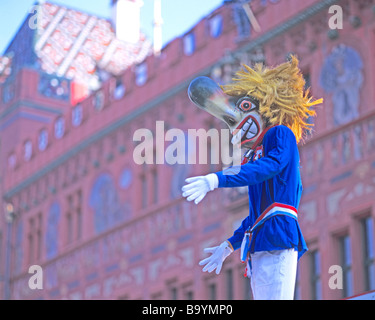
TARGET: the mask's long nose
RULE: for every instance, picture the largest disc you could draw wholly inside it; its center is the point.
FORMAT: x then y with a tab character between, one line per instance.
208	96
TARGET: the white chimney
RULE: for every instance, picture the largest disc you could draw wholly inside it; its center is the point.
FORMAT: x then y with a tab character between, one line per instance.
158	21
126	16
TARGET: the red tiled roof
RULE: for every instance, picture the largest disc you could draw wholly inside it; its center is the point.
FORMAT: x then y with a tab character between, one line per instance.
75	44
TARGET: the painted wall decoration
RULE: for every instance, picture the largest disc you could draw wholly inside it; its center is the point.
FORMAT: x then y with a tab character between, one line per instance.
52	233
105	201
112	261
342	77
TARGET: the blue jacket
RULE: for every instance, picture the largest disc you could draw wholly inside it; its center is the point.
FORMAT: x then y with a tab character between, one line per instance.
273	178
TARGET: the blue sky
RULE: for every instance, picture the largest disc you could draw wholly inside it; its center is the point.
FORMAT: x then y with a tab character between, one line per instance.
178	15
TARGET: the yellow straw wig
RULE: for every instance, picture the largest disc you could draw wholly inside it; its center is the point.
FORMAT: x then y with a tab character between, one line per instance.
281	94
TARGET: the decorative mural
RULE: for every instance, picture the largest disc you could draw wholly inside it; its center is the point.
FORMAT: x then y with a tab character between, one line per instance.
105	201
52	233
115	260
342	77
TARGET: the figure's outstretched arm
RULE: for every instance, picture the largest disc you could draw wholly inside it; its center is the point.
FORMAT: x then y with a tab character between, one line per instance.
280	139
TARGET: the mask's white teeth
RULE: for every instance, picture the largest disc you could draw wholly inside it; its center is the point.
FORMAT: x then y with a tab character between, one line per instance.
253	129
246	126
249	135
249	123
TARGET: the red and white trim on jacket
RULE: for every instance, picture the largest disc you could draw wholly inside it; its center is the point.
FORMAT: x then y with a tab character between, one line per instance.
273	210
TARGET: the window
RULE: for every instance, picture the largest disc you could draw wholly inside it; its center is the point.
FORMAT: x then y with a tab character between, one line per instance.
315	276
43	140
174	293
310	119
346	264
155	185
59	128
1	253
77	115
31	241
216	26
69	223
187	291
119	91
28	150
12	161
368	252
157	296
79	223
189	295
35	239
79	215
189	44
212	291
39	239
74	217
98	100
247	289
69	220
141	74
144	191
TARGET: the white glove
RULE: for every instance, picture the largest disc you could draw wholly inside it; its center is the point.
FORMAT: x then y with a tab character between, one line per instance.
197	187
215	261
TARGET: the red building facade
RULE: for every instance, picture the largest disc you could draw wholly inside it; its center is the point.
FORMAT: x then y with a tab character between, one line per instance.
103	227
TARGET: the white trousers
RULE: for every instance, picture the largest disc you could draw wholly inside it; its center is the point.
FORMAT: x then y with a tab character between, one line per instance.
273	274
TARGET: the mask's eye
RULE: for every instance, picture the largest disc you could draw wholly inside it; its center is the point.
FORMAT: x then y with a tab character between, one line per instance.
246	104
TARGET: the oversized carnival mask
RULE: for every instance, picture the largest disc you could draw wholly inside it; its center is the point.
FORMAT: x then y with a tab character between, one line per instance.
257	99
241	114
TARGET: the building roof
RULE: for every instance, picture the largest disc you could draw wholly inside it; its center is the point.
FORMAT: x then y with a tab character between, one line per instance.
77	45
